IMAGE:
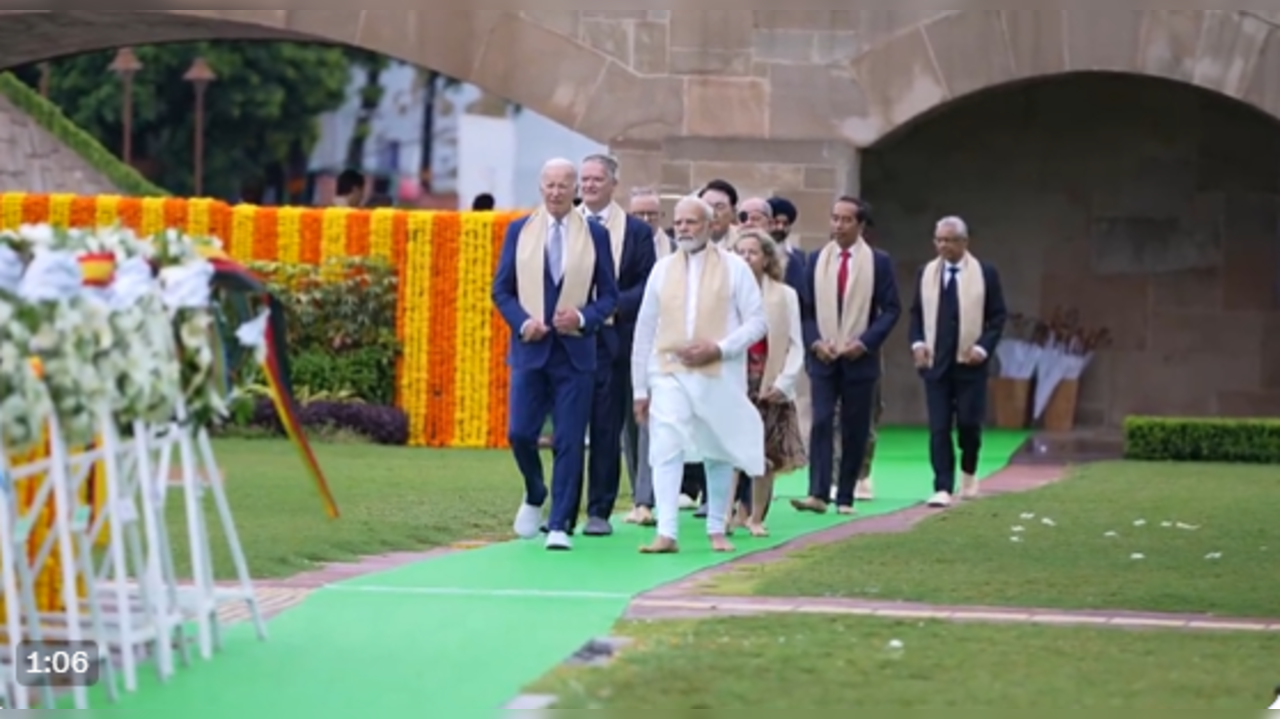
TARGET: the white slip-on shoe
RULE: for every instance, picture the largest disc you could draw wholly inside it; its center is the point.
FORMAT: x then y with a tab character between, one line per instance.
528	522
558	541
940	499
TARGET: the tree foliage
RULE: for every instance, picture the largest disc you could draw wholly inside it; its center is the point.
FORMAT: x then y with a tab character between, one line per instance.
261	111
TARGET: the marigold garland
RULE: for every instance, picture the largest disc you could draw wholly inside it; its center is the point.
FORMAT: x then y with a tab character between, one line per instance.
452	379
472	323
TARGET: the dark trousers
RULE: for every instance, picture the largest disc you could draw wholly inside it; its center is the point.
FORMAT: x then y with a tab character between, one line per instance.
694	481
608	414
957	400
855	396
559	390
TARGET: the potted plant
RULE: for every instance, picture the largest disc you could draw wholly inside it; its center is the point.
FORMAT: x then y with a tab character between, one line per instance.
1068	349
1017	356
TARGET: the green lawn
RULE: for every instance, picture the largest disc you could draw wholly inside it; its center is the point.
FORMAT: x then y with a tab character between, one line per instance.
792	663
391	498
1229	564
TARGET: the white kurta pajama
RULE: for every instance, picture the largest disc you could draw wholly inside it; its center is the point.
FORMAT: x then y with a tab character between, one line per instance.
697	416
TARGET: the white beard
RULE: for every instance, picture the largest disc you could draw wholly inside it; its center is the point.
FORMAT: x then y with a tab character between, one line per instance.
691	244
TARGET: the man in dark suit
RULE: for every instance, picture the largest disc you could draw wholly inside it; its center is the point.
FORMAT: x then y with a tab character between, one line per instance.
784	218
555	288
634	254
956	321
850	306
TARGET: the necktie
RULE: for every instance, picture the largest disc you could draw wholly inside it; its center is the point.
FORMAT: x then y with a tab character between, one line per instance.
952	270
598	218
842	278
555	252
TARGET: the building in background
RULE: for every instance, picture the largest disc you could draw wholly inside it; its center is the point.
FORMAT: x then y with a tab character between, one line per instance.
478	143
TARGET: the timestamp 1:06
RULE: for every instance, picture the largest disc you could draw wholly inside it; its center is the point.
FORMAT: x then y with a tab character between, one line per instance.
58	662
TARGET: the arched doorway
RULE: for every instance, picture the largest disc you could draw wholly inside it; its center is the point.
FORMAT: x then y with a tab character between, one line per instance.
1151	206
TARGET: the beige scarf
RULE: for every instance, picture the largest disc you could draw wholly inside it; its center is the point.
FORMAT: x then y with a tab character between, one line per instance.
617	226
712	322
846	325
531	263
972	292
779	338
664	245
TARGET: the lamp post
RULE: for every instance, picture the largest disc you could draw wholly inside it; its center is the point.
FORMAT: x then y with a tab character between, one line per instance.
46	73
199	75
126	65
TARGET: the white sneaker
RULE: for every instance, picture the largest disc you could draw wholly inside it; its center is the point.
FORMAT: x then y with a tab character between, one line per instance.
864	491
834	491
968	486
528	523
687	502
558	541
940	499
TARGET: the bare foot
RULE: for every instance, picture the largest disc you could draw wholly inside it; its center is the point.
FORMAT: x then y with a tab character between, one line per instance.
810	504
719	543
644	517
661	545
757	529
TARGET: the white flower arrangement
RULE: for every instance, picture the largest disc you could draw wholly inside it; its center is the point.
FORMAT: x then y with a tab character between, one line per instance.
137	337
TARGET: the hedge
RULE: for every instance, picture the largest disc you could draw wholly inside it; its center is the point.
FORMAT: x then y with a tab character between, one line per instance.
49	116
1173	439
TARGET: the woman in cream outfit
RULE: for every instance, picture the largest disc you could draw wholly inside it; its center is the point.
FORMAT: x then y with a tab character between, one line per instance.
773	367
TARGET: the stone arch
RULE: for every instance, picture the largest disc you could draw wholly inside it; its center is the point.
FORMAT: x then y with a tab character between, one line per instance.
524	59
953	55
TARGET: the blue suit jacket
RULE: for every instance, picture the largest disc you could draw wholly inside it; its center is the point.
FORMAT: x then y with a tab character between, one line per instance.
886	308
796	263
994	316
604	300
638	258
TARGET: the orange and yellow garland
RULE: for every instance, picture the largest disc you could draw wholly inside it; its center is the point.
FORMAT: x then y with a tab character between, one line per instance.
453	379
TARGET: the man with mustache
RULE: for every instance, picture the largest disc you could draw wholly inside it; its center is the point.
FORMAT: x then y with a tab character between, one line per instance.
702	310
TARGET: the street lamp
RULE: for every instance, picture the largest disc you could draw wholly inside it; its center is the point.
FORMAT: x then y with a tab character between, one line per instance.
199	75
46	74
126	65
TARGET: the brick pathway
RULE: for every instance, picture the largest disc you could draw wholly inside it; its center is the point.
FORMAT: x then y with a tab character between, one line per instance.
681	600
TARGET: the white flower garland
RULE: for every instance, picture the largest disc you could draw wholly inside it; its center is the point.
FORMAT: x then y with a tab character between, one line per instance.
136	342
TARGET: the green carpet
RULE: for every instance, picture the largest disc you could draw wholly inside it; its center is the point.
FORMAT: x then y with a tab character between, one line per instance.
460	635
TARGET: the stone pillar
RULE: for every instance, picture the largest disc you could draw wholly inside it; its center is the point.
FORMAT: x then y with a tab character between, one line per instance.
809	173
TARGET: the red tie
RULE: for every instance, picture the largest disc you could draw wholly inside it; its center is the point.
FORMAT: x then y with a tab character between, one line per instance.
842	278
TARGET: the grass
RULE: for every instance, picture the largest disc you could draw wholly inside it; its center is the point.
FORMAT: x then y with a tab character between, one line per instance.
793	663
391	499
967	555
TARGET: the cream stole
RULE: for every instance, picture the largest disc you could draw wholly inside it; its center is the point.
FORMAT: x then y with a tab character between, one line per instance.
712	321
617	226
972	292
531	263
843	326
663	244
778	316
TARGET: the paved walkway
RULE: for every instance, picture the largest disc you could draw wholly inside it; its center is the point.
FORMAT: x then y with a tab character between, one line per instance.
683	600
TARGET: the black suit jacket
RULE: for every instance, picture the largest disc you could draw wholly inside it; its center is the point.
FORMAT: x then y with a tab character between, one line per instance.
638	257
797	261
886	308
994	315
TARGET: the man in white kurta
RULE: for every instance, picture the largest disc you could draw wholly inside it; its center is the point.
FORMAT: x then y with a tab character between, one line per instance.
690	380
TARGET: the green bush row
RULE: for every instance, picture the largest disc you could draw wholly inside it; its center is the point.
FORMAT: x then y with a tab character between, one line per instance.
48	116
1251	441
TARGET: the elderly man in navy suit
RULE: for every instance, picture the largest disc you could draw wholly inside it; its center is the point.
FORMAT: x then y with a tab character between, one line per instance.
956	321
632	245
556	289
849	310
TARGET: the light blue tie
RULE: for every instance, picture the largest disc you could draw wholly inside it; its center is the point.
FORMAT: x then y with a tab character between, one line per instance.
555	252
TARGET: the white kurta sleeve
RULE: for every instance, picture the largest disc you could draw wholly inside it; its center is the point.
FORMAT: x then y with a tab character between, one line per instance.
794	364
646	331
749	305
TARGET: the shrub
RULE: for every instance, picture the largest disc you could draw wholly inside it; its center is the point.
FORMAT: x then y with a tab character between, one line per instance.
1251	441
340	325
378	423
